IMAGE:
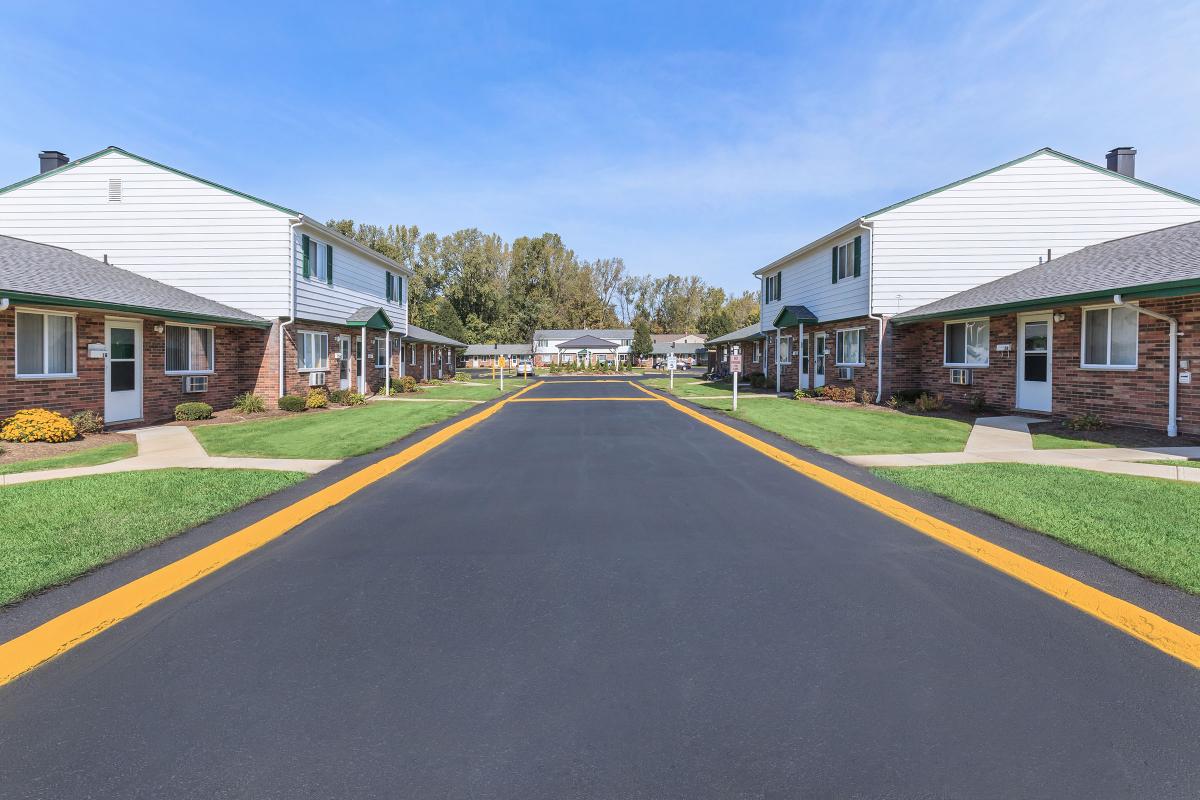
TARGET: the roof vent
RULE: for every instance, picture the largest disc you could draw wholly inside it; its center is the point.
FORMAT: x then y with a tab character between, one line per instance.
1120	160
52	159
114	190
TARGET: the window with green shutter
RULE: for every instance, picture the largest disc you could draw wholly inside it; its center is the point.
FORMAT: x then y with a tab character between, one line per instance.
329	264
306	258
847	260
835	263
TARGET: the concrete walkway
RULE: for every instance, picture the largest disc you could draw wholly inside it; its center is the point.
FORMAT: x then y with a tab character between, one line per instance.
168	447
1007	440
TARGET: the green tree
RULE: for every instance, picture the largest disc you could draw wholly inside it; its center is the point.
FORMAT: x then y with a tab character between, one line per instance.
643	345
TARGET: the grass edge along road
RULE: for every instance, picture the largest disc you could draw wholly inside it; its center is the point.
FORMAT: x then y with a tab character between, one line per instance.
80	458
1145	525
50	639
1160	633
55	531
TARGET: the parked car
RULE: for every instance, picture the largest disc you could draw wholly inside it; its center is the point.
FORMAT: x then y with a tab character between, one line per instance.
525	368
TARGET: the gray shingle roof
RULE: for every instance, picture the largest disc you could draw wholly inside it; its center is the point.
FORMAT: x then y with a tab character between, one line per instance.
1168	255
740	335
418	334
679	349
608	333
53	272
588	341
498	349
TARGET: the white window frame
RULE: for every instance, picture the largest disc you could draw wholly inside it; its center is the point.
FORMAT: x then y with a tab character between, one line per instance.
1137	333
380	353
758	352
44	375
837	347
317	259
212	349
322	367
845	261
412	354
774	287
986	351
785	346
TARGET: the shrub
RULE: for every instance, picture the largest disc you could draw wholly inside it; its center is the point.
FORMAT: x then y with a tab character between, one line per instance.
193	410
339	396
461	377
801	394
758	380
355	399
839	394
249	403
977	402
291	402
407	384
865	397
316	398
895	402
1084	422
908	396
37	425
929	402
88	422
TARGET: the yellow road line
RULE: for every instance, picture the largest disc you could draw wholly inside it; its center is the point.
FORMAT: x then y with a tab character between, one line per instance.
590	399
52	638
1162	634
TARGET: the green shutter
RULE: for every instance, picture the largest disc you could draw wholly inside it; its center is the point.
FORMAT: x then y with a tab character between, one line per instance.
835	264
304	248
387	285
857	256
329	264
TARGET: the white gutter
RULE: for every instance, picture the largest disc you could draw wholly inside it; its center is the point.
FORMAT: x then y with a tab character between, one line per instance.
291	303
870	315
1173	364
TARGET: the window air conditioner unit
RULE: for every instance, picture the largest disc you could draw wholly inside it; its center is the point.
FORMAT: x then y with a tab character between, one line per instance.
195	383
316	379
960	377
845	373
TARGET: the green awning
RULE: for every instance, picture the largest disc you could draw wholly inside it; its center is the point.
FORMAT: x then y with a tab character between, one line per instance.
790	316
369	317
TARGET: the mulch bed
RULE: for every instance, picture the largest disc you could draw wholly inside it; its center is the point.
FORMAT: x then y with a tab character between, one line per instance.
27	451
1117	436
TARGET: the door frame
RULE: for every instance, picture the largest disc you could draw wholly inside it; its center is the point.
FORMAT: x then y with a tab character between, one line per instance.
345	355
138	368
1048	318
820	352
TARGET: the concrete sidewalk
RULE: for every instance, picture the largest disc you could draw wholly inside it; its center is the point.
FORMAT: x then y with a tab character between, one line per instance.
169	447
1007	440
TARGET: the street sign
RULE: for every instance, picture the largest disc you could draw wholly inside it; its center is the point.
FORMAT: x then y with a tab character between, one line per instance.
671	361
735	362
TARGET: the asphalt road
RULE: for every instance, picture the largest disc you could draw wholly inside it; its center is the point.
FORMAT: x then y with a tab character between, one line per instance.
604	600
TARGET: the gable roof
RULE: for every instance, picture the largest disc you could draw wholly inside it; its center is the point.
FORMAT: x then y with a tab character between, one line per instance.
588	341
678	348
1043	151
498	349
607	333
749	332
793	315
48	275
419	334
1162	261
325	229
673	337
369	317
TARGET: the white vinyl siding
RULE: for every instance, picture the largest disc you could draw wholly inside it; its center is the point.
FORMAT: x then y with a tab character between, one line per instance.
189	349
966	343
45	345
1003	222
358	280
808	281
848	349
1110	338
166	226
312	351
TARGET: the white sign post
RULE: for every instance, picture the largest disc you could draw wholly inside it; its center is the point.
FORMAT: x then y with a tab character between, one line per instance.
735	366
671	369
501	374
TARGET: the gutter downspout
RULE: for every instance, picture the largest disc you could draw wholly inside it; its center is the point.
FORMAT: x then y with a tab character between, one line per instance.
870	314
1173	383
291	303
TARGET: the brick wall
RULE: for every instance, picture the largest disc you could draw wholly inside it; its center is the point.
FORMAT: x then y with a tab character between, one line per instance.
1119	397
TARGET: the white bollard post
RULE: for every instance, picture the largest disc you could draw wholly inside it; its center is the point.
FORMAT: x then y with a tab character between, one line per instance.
735	382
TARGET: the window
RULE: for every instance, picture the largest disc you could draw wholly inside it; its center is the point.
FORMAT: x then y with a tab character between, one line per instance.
541	343
1110	337
757	352
412	354
189	349
45	345
393	287
848	348
774	287
318	260
312	351
380	352
847	259
785	350
966	343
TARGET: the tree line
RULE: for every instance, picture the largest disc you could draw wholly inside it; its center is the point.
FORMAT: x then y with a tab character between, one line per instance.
478	288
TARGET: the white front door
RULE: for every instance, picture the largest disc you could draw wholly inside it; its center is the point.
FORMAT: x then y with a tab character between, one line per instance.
123	370
1035	367
804	362
819	361
344	362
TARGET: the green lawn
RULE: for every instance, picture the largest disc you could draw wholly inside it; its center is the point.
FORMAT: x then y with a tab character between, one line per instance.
326	434
80	458
456	391
53	531
848	431
1143	524
1049	441
1174	462
692	389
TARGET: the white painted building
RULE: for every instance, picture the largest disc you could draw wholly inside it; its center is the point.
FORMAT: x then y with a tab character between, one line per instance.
546	345
824	304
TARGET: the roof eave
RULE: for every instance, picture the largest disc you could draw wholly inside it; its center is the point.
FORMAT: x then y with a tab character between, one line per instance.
147	311
826	239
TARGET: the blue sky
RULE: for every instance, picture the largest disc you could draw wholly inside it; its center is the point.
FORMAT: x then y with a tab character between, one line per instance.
705	138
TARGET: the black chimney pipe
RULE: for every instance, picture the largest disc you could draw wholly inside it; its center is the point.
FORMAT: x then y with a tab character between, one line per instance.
1120	160
52	159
